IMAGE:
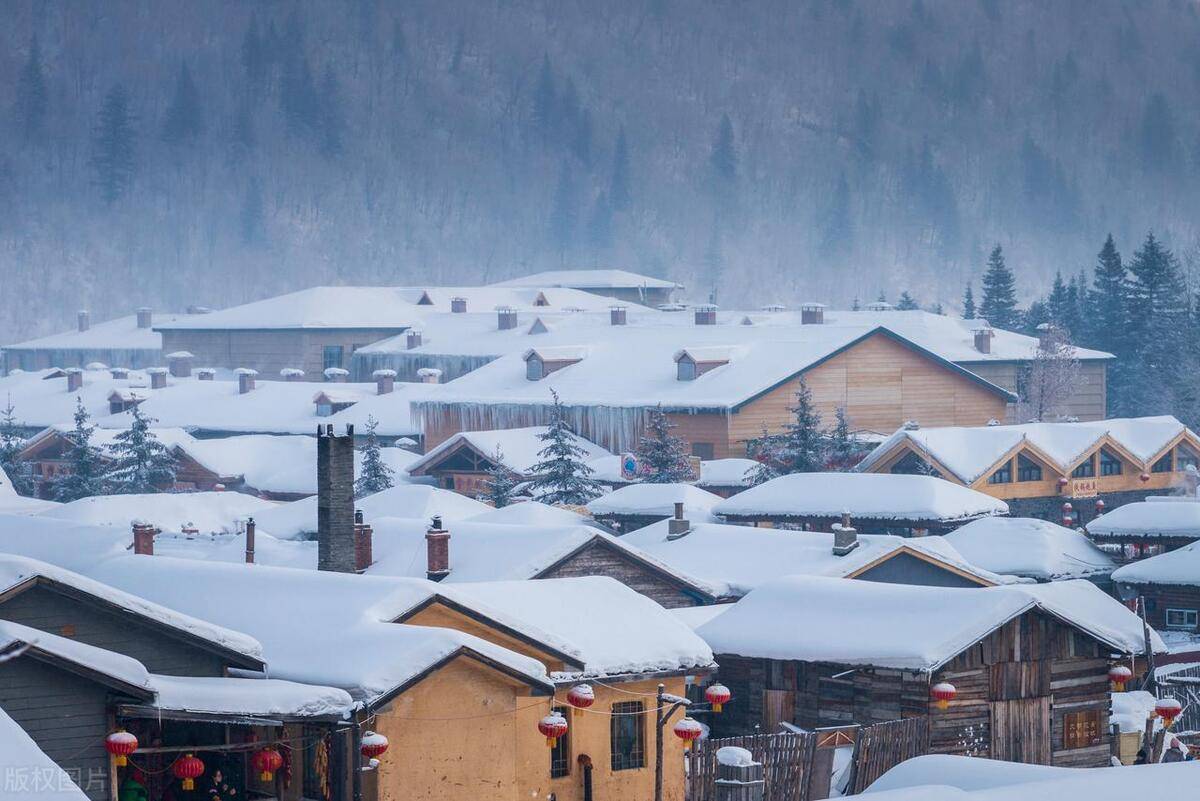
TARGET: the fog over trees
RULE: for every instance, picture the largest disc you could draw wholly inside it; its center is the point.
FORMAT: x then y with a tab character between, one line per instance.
205	152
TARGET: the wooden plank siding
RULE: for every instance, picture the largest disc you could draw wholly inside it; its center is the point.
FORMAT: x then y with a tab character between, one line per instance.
598	559
269	351
1088	399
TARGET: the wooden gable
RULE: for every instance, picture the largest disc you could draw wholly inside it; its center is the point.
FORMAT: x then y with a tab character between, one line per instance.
906	565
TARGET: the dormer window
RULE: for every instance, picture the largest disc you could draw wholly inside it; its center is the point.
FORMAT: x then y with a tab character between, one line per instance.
1086	469
691	363
541	362
1109	464
535	369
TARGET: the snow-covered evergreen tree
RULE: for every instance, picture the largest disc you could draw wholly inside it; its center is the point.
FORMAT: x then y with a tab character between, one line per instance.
662	456
802	446
85	472
763	451
374	474
11	444
500	484
561	476
999	304
968	304
842	447
141	463
907	302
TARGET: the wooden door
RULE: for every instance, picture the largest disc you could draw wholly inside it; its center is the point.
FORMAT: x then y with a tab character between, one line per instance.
1021	730
778	707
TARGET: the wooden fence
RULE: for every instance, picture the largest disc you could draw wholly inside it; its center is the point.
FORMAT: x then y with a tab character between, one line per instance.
796	766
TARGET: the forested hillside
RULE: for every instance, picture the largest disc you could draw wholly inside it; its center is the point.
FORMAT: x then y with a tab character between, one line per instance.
176	152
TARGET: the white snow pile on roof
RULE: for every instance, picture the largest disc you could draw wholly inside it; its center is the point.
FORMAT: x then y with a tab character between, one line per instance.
105	439
953	778
415	501
259	697
308	620
13	503
169	511
1024	546
27	768
725	472
1130	710
696	616
869	496
733	560
16	570
656	500
530	513
40	401
893	623
1179	567
1161	517
121	333
107	663
518	447
589	279
593	614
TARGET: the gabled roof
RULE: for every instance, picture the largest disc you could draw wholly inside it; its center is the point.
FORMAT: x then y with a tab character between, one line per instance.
121	673
121	333
1180	567
519	448
590	279
1153	517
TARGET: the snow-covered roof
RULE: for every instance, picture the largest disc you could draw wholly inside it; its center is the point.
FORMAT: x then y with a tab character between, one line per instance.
656	500
169	511
530	513
40	397
607	643
17	570
1024	546
969	452
590	279
1154	517
412	501
866	496
1181	567
725	472
733	560
519	448
105	439
252	697
13	503
22	761
123	669
121	333
891	622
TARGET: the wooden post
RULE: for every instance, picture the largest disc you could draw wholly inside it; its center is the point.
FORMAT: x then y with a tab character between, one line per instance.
658	742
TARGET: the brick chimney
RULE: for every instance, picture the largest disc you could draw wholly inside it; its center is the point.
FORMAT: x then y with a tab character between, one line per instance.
246	378
412	340
430	375
385	381
458	305
250	527
616	315
143	538
145	317
180	363
706	315
74	379
363	533
983	338
291	374
335	500
437	550
678	526
506	318
336	375
84	320
158	377
845	537
119	372
206	374
812	314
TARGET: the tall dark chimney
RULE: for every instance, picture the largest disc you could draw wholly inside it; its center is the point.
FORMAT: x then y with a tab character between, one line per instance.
335	500
437	551
74	379
84	320
616	315
145	317
250	541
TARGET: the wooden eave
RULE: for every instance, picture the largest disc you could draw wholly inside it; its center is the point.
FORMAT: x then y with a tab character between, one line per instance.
906	446
91	674
924	557
539	687
1184	436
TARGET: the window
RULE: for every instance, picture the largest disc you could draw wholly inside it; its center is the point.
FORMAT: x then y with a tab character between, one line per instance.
1109	464
560	754
912	465
703	450
1181	618
626	737
324	409
1028	470
1163	465
1003	474
1085	470
332	356
685	370
1185	457
535	370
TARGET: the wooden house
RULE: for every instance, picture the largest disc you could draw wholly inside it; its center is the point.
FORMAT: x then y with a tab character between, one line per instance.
1037	467
1027	665
127	342
1146	528
1170	584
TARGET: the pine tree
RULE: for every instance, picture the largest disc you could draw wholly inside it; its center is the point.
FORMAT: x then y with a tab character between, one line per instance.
600	234
501	482
561	476
620	195
1107	318
907	302
30	107
332	120
141	463
374	473
564	214
764	452
1158	320
185	119
802	445
999	306
662	456
968	304
1057	303
11	445
113	145
723	159
83	478
842	447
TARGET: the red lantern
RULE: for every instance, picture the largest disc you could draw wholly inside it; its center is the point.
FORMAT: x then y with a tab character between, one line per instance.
1062	483
689	731
581	695
943	693
373	745
187	769
1168	709
1118	675
718	695
552	727
1144	477
266	761
1099	506
120	744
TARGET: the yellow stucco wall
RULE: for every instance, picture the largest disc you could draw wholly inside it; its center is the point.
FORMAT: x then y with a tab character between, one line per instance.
441	616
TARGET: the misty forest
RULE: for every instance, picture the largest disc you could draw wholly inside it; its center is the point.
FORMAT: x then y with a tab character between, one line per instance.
175	153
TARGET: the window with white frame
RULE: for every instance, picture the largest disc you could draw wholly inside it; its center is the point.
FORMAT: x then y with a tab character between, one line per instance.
1181	618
